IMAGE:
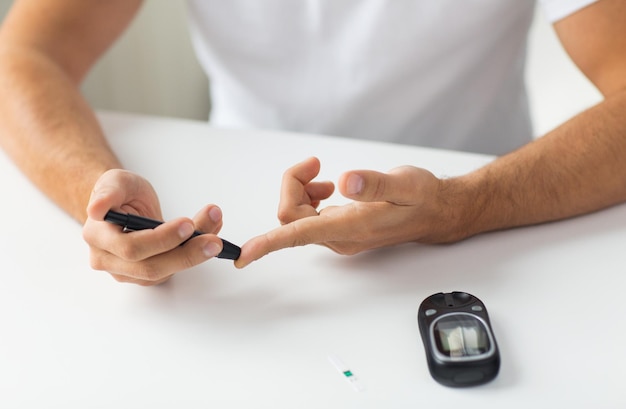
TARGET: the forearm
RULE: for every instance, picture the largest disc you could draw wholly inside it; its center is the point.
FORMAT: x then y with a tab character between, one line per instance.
577	168
49	131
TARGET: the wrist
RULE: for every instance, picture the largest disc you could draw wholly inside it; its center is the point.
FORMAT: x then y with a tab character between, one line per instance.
462	207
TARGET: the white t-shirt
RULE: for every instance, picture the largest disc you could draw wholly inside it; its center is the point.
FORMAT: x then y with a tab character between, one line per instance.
440	73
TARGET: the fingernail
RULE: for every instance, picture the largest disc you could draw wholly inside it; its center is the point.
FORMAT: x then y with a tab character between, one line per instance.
185	230
211	250
215	214
354	184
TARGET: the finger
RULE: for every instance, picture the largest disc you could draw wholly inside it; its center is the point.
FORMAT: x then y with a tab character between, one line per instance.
138	245
106	194
295	203
318	191
121	190
159	268
208	219
398	186
310	230
144	283
292	193
305	171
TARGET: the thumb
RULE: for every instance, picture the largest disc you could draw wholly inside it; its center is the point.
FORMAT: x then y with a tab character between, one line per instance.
106	192
117	188
399	186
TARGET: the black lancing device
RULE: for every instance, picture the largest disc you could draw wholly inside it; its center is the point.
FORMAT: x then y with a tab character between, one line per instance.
131	222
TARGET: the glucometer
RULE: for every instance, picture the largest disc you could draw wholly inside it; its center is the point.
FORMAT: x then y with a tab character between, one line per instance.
461	349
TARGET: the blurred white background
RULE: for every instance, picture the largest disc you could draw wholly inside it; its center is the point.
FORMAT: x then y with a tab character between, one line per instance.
152	70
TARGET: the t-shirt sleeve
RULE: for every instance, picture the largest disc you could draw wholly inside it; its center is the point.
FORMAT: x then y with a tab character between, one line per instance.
557	9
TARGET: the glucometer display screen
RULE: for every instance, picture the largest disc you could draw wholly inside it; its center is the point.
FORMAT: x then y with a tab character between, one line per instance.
460	336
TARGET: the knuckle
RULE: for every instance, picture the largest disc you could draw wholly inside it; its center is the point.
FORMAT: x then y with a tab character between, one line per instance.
285	216
129	252
96	262
189	259
379	188
149	272
298	236
86	234
120	278
145	283
345	249
124	279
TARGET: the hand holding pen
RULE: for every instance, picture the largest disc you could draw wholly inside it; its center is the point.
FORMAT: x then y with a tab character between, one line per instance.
146	256
130	222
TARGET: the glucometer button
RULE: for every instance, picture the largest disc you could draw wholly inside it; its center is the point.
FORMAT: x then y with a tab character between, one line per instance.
477	308
430	312
468	378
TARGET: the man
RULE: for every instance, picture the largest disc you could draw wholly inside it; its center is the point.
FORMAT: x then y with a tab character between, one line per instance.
396	70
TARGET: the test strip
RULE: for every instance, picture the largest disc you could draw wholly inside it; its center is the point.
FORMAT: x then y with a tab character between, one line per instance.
346	372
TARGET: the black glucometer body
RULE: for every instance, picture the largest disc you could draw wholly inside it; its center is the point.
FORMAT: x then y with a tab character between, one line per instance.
461	349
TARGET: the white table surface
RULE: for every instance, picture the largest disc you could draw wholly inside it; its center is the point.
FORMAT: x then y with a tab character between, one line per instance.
215	336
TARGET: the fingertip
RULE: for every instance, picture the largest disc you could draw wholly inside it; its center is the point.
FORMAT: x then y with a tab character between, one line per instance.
315	163
250	252
306	170
244	258
311	159
212	249
98	205
209	219
315	159
353	184
103	196
365	185
240	264
215	214
185	230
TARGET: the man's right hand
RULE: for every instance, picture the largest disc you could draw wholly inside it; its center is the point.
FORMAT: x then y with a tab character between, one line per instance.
146	257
